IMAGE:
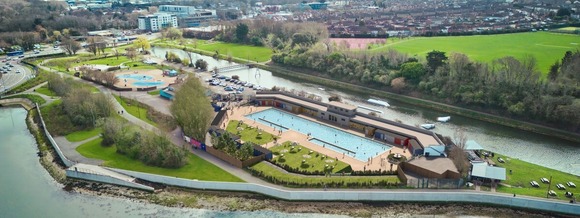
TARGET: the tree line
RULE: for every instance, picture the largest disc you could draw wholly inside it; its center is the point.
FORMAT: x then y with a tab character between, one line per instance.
508	86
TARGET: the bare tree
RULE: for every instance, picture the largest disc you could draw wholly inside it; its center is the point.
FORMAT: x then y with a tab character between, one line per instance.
131	53
460	138
70	46
398	84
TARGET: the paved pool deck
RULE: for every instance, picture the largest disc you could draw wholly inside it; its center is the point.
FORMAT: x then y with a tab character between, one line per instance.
378	162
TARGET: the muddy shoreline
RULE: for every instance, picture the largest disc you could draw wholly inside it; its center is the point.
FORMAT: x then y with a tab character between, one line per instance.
238	201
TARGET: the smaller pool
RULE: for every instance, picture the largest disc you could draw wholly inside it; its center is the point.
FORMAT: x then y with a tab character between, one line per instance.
148	83
140	77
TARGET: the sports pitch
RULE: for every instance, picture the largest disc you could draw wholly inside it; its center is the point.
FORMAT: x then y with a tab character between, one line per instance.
546	47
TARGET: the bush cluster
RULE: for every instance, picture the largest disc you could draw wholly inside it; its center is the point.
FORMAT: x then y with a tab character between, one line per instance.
150	148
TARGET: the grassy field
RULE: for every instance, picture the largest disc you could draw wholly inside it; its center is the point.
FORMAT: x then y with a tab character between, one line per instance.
137	111
110	61
83	134
253	53
286	154
196	168
523	173
249	134
546	47
268	170
45	91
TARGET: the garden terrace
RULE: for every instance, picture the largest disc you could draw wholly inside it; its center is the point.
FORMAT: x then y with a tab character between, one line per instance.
299	159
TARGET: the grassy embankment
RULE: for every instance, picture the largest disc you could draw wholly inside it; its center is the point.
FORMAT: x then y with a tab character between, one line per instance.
546	47
45	91
313	161
196	168
136	110
239	52
59	124
523	173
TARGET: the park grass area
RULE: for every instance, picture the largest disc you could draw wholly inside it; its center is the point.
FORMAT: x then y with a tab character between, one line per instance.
109	61
196	168
83	134
240	51
522	173
314	162
135	110
138	65
45	91
248	133
546	47
269	172
154	92
249	52
32	97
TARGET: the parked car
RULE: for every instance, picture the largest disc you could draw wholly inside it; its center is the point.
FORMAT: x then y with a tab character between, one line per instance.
228	88
17	71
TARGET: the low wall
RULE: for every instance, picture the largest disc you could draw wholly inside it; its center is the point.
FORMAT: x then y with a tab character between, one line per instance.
26	103
366	195
147	88
105	179
66	161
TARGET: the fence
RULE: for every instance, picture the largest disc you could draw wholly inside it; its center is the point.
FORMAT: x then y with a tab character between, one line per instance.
424	183
232	160
365	195
66	161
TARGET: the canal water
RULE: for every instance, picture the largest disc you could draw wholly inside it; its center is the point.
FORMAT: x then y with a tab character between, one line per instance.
27	190
539	149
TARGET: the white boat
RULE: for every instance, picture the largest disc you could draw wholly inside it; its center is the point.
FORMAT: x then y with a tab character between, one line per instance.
321	89
443	119
378	102
428	126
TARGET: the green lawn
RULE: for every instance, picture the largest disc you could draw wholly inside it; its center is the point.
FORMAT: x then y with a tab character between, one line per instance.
155	92
314	162
196	168
268	170
111	61
141	66
249	134
241	51
546	47
137	111
253	53
45	91
523	173
83	134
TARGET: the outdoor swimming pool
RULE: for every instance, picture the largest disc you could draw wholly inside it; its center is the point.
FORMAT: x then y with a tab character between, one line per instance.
148	83
140	77
322	134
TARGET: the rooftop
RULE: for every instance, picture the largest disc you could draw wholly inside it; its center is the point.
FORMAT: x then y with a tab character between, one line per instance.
342	105
423	138
485	171
437	165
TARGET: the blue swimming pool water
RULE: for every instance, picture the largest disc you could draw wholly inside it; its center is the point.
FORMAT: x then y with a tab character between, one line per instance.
148	83
322	134
140	77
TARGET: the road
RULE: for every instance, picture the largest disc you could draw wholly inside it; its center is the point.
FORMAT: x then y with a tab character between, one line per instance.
12	78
